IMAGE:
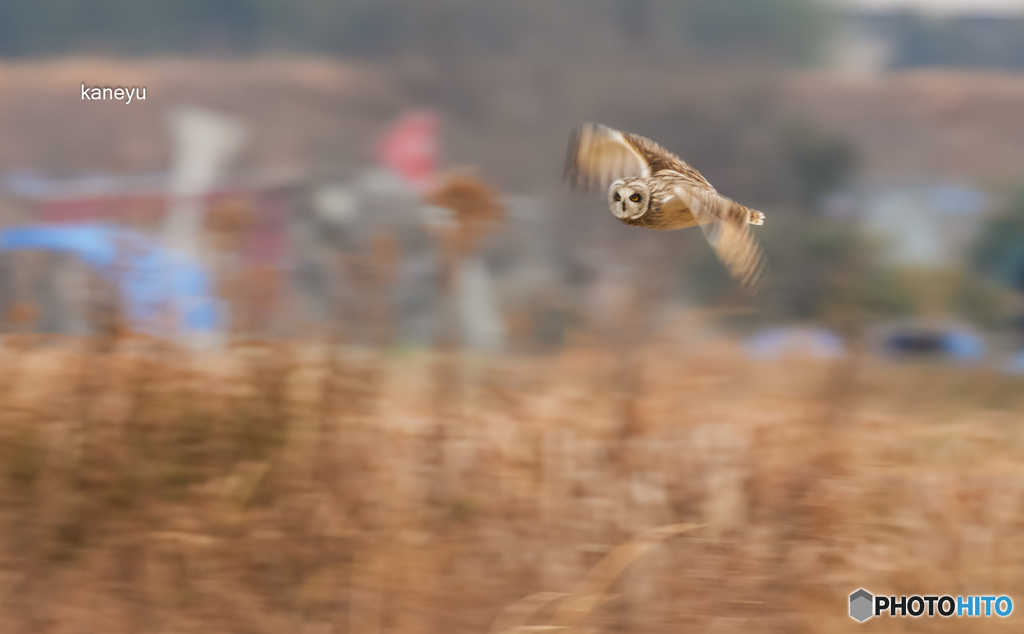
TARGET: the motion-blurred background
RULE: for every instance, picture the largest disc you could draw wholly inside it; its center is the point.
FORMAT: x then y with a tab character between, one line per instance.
311	337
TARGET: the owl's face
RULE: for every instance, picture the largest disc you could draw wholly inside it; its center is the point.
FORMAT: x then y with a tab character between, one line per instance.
629	198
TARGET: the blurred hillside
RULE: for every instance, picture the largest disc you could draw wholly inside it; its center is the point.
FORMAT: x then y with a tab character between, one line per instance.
319	111
940	123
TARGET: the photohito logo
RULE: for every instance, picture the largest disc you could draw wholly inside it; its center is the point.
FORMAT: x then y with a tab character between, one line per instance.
861	604
864	605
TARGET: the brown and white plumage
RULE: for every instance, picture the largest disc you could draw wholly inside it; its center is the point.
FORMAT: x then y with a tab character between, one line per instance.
648	186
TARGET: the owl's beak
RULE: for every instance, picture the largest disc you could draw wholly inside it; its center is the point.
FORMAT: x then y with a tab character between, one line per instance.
623	205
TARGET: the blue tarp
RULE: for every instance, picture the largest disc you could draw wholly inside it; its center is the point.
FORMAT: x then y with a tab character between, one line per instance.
965	346
776	343
157	286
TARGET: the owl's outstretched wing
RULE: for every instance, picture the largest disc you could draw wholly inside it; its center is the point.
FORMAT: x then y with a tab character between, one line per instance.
726	225
598	155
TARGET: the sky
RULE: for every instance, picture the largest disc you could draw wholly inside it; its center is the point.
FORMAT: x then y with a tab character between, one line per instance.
946	6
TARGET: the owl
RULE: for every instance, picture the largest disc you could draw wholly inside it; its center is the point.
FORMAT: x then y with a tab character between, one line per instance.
648	186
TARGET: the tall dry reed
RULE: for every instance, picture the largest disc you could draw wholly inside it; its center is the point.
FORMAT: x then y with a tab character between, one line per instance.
281	487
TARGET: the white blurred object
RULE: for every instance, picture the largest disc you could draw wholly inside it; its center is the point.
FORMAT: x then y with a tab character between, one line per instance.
336	203
205	143
381	181
925	224
860	52
482	328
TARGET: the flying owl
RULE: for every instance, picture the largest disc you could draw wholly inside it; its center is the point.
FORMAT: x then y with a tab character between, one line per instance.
648	186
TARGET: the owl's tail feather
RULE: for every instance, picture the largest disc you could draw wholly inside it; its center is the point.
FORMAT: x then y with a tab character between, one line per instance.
755	217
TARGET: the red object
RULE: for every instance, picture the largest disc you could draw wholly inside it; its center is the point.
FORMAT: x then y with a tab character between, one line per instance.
410	147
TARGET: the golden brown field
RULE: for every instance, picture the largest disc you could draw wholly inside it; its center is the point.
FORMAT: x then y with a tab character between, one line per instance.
280	488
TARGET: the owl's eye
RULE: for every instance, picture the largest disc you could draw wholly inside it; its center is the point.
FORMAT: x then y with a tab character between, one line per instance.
616	197
635	198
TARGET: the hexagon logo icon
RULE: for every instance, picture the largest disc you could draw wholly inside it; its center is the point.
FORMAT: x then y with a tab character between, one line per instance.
861	603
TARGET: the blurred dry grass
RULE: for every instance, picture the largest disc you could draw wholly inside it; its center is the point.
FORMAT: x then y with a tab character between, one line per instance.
286	488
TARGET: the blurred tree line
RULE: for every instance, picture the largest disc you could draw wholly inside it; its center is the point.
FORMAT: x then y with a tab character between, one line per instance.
969	41
792	29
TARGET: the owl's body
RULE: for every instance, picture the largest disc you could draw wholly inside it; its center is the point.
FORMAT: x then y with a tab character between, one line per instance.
648	186
658	190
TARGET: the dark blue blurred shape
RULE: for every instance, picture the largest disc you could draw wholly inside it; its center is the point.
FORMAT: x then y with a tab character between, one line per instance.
159	288
955	344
